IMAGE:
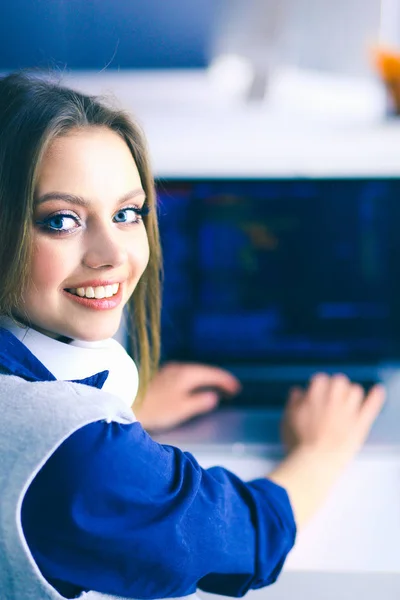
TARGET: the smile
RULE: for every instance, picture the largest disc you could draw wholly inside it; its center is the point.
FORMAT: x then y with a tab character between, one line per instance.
99	302
99	292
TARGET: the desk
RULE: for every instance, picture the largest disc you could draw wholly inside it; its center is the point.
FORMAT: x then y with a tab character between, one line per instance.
327	586
352	545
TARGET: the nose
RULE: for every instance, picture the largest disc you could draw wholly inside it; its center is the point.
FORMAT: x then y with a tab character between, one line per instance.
104	248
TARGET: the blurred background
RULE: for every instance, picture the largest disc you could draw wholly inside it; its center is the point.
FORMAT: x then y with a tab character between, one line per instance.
296	81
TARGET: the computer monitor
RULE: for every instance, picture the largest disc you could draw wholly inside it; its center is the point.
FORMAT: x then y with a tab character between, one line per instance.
281	271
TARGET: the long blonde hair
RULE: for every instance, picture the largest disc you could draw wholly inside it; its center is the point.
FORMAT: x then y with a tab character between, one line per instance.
34	111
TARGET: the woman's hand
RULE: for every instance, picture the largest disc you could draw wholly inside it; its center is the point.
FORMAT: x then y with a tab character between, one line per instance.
332	416
323	428
181	391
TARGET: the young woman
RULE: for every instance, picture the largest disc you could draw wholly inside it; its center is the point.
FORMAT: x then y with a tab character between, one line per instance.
89	503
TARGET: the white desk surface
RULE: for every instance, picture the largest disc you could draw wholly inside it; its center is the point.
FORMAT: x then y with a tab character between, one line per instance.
358	529
350	549
326	586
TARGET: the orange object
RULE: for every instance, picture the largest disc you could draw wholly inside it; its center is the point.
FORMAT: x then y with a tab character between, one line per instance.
387	63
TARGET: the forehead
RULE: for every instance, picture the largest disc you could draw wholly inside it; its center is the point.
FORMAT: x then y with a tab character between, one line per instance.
93	161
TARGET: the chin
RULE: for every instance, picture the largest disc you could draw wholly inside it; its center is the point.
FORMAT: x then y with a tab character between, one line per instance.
88	331
87	327
95	335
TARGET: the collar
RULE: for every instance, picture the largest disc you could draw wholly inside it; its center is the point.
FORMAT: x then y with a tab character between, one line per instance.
18	360
104	363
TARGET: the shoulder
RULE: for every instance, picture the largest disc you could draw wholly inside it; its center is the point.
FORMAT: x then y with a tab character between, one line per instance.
140	467
66	405
82	464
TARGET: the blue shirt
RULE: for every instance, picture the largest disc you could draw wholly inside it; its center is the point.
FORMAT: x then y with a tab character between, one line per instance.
116	512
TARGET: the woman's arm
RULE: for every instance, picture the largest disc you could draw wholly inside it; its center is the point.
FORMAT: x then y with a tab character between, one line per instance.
116	512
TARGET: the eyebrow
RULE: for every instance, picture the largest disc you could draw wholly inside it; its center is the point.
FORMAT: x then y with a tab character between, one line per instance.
73	199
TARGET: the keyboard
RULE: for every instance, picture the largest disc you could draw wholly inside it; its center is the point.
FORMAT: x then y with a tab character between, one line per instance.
270	394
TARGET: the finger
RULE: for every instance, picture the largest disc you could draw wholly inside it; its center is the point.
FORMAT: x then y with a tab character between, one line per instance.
372	405
295	396
319	386
201	403
197	375
340	387
355	397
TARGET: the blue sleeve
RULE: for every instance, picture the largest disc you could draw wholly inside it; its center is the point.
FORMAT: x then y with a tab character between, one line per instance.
116	512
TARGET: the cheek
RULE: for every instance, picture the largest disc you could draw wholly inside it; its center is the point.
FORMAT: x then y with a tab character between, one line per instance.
49	266
140	253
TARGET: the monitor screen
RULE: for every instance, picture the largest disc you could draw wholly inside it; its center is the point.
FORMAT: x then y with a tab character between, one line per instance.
281	271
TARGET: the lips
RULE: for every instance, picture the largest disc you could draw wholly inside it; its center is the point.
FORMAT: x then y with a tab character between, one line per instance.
96	303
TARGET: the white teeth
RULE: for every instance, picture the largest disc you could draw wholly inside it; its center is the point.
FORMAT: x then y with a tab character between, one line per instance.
98	292
109	291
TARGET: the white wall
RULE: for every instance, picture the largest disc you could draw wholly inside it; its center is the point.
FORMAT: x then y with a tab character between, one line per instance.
311	124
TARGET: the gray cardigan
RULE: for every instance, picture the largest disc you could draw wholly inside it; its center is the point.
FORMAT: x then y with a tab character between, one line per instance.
35	419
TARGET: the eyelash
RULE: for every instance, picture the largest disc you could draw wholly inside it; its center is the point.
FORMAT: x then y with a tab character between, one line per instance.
44	224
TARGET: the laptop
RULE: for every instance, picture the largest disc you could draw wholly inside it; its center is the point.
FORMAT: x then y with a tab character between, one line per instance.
275	280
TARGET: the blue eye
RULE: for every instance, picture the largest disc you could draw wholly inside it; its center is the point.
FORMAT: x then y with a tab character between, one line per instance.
56	223
136	214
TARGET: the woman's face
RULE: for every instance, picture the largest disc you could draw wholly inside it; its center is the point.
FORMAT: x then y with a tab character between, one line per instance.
88	235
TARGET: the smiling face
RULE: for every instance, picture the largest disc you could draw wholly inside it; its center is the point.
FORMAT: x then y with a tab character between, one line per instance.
88	233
